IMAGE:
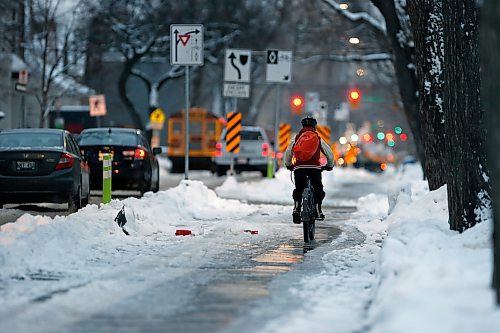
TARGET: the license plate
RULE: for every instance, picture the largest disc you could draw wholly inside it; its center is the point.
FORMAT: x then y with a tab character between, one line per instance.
25	165
101	153
241	160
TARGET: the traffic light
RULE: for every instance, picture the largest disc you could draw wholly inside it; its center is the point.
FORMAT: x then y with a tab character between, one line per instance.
354	98
297	104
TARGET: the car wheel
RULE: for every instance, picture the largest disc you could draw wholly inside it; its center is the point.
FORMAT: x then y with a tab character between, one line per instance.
263	172
75	200
146	184
85	201
156	186
221	171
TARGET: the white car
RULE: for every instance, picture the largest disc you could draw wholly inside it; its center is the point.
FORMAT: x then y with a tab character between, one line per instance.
254	152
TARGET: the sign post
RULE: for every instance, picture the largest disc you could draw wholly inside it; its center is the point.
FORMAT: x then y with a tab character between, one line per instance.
157	120
21	87
186	48
278	70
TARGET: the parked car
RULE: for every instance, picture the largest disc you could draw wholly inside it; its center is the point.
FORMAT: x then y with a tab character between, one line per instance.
134	166
254	151
42	165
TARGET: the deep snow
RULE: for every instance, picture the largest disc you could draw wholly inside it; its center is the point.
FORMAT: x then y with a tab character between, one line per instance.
409	274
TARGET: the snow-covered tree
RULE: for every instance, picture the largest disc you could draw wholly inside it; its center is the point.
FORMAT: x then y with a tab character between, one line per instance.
490	63
50	43
138	30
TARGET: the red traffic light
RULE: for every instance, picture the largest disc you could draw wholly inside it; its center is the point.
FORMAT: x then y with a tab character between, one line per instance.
354	98
354	94
297	103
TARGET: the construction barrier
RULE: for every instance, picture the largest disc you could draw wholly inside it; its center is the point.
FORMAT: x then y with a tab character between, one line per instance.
324	132
233	137
284	136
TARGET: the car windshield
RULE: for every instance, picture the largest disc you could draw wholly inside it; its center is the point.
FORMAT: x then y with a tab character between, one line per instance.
108	138
30	140
251	135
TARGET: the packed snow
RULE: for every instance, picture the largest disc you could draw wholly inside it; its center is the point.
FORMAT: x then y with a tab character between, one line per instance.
404	272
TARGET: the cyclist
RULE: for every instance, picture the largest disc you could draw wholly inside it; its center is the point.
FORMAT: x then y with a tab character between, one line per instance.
307	165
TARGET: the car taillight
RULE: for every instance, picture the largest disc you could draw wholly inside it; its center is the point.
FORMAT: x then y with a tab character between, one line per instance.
265	150
218	149
138	153
65	162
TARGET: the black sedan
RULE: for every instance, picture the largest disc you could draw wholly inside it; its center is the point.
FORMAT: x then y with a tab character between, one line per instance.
42	165
134	166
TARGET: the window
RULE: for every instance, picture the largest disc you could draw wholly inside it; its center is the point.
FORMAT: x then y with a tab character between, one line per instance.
116	138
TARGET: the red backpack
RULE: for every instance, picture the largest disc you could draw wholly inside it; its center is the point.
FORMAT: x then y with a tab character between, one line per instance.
306	146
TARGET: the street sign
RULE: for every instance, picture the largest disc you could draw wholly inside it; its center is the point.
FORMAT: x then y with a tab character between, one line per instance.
279	66
312	101
23	76
20	87
186	44
237	65
342	113
238	90
97	105
157	119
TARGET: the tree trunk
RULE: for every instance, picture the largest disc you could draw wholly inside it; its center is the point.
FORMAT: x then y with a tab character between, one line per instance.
427	25
468	189
490	48
122	89
405	74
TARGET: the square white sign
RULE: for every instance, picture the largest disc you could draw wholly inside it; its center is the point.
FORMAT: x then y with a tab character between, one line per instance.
186	44
279	66
237	65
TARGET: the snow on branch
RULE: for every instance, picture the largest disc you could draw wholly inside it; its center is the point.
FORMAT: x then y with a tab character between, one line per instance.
360	16
348	57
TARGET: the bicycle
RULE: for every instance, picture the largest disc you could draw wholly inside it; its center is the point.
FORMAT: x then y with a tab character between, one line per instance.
309	213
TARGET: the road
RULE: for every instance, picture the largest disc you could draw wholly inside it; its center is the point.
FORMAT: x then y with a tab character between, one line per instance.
174	289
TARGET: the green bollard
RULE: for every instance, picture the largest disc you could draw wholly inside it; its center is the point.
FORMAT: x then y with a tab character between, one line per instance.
106	178
270	167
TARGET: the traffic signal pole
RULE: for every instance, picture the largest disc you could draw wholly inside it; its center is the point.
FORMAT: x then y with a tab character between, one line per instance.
277	125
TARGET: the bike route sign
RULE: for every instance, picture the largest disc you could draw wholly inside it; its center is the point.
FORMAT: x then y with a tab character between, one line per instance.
186	44
279	66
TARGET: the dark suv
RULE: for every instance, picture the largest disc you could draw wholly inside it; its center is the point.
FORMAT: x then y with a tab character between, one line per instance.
134	166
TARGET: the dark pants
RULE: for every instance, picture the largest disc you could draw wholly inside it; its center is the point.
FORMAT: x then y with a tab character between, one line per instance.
301	176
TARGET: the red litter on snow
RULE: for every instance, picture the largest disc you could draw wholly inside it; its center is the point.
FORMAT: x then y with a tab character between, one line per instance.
253	232
183	232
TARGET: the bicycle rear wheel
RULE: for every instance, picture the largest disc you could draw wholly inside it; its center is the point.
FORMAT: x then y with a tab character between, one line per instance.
308	215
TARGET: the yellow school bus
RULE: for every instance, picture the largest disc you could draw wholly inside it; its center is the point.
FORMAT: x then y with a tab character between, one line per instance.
204	132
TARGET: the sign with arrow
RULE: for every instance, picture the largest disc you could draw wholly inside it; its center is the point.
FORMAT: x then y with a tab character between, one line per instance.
186	44
237	65
279	66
